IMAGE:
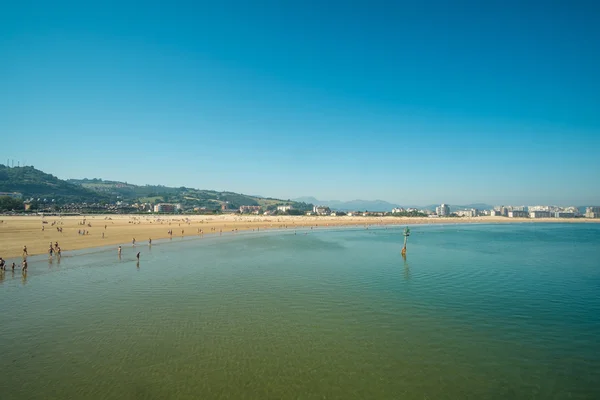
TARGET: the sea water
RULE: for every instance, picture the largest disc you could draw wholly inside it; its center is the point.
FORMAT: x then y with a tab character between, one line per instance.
473	312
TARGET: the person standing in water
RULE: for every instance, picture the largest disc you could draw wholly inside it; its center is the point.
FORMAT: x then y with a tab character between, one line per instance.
119	251
24	268
133	242
138	256
149	241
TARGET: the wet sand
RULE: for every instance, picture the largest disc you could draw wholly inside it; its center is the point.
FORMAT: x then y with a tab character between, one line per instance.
19	231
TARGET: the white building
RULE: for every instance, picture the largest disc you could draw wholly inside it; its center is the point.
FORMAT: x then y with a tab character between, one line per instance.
442	210
467	213
592	212
285	208
321	210
518	214
539	208
397	210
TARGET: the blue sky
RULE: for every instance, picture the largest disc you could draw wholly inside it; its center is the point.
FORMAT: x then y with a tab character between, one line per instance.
410	102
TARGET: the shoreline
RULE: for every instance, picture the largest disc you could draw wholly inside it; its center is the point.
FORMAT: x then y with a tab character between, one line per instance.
19	231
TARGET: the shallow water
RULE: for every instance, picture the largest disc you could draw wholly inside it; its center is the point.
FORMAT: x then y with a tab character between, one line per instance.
474	312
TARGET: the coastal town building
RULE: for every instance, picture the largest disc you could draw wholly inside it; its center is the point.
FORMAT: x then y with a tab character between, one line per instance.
518	214
321	210
167	208
442	210
466	213
571	209
397	210
539	208
540	214
249	209
564	214
592	212
285	208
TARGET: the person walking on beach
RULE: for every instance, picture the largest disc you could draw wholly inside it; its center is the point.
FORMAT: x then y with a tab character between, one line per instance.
133	242
25	251
102	235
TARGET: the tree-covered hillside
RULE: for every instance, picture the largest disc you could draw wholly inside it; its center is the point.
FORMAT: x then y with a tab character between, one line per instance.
37	184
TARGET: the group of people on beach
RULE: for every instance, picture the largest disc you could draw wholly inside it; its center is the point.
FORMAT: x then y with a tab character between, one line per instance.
3	265
54	250
23	264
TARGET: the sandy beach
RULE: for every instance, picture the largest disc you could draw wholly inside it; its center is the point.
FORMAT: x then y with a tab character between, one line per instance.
37	232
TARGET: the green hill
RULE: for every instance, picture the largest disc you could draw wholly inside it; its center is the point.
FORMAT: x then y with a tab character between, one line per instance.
188	197
37	184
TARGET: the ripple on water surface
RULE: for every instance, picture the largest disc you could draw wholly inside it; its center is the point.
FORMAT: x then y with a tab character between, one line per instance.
482	312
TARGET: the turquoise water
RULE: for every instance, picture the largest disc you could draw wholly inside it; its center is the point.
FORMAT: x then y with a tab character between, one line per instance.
474	312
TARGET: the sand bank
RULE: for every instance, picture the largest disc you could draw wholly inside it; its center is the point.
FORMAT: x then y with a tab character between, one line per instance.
38	232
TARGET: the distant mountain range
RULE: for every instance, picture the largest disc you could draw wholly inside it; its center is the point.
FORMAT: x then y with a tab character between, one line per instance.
381	205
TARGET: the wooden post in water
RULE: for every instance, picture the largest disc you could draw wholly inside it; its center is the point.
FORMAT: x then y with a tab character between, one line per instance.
406	235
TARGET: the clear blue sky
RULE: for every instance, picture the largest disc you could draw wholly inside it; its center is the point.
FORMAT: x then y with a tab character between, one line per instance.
410	102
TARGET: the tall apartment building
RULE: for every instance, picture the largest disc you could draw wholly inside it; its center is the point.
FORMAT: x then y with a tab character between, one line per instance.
442	210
